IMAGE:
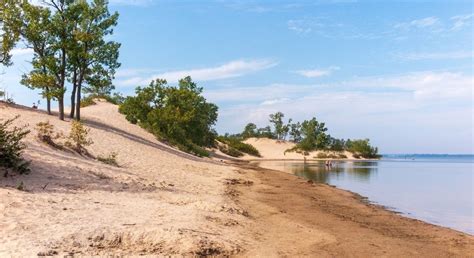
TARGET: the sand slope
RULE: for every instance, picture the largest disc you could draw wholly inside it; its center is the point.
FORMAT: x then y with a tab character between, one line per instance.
159	200
273	149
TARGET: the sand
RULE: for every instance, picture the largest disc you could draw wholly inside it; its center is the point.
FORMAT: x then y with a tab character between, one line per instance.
163	201
271	149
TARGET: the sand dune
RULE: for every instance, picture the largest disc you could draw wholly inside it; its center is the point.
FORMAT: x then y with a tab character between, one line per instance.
163	201
273	149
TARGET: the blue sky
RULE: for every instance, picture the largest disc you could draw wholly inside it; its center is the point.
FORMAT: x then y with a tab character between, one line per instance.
397	72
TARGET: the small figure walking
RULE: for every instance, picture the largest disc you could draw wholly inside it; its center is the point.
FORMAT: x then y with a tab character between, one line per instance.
35	106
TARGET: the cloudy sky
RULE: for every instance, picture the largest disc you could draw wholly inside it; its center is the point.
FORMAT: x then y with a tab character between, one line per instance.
397	72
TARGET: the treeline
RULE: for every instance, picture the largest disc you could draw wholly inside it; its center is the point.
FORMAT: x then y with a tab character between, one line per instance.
309	135
68	39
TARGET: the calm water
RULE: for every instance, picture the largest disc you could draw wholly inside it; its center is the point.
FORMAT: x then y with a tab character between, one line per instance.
436	189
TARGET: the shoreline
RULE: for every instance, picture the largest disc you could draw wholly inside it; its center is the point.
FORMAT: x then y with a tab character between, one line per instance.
360	197
347	214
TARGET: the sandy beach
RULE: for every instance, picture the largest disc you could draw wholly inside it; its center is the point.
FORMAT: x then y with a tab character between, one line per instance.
161	201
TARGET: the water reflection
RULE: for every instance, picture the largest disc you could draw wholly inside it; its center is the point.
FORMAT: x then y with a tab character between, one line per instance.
319	172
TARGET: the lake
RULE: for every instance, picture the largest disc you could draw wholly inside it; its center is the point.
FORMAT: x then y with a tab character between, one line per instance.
434	188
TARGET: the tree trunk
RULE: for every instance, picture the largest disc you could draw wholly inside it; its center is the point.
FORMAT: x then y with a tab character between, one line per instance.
48	105
48	100
61	107
78	103
73	96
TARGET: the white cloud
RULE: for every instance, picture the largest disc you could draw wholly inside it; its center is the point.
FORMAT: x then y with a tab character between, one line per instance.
391	110
274	101
228	70
419	23
436	55
461	21
22	51
313	73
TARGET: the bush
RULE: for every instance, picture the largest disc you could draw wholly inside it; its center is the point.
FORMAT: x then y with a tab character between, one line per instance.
46	134
87	101
11	147
362	148
342	156
237	144
78	137
110	159
230	151
322	155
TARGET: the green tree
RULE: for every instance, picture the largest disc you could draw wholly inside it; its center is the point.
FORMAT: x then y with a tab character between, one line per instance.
277	121
35	30
363	148
9	29
250	130
180	114
92	59
295	132
314	135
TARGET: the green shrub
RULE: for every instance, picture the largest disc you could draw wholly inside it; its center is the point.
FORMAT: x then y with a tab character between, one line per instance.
45	133
238	145
342	156
362	148
322	155
78	137
12	146
332	156
230	151
110	159
87	101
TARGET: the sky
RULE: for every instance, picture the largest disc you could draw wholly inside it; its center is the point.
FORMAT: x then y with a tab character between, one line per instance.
397	72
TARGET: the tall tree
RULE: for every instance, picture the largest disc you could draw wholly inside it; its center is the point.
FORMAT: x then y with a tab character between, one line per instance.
93	60
314	135
35	29
277	121
9	33
250	130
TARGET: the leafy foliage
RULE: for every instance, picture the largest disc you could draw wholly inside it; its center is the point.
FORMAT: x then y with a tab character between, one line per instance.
110	159
363	149
230	151
45	133
11	147
237	144
314	135
78	137
180	115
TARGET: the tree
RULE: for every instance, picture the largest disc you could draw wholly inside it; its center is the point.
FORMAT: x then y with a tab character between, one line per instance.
35	29
9	33
295	132
93	60
265	132
314	135
277	121
250	130
363	148
179	114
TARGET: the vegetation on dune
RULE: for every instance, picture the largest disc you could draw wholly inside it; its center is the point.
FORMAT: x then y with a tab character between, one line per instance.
110	159
12	146
236	144
179	115
78	138
309	135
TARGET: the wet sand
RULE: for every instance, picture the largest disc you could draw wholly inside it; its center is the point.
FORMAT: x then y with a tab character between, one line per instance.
293	216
